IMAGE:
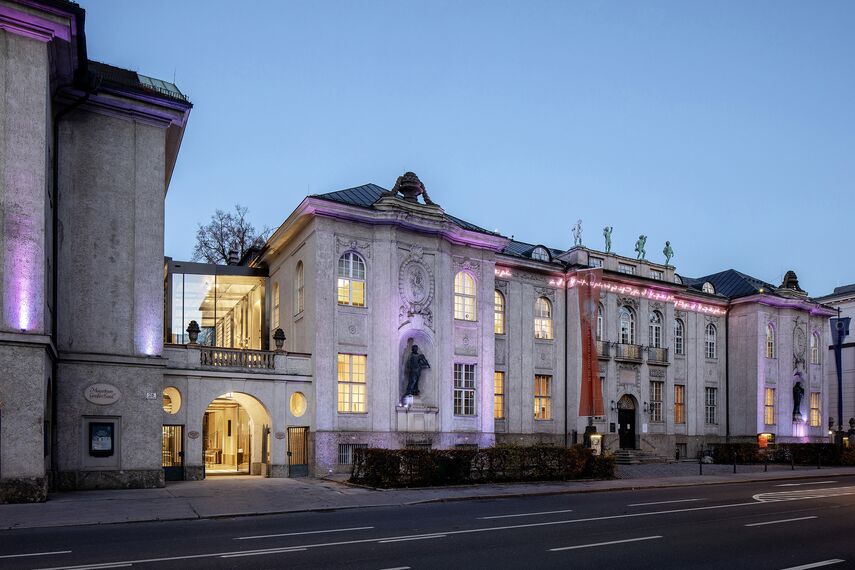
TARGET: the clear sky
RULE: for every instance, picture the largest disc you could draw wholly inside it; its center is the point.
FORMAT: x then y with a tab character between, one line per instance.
727	128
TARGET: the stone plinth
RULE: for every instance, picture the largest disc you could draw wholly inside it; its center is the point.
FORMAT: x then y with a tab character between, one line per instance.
417	417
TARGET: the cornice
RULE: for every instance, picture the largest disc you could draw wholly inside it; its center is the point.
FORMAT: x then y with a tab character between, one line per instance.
806	305
30	25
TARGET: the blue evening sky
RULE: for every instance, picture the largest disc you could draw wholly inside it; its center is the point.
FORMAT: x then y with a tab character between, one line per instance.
725	127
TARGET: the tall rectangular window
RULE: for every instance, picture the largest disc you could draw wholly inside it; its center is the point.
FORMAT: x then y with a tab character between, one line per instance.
464	389
274	318
711	398
499	395
656	401
769	407
679	404
542	397
815	412
351	383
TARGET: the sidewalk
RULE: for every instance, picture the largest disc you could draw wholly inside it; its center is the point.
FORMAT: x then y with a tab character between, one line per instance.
237	496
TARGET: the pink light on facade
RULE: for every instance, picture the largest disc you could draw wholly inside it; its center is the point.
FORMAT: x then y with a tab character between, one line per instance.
22	279
503	272
646	293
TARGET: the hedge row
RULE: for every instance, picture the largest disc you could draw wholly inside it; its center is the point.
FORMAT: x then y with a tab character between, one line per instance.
387	468
798	453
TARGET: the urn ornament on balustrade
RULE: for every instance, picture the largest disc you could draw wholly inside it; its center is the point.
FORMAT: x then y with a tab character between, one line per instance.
193	331
279	339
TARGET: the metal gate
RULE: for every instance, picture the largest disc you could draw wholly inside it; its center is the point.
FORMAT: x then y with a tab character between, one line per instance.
298	451
172	453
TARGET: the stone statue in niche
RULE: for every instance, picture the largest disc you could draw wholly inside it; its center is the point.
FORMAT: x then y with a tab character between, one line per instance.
668	252
639	246
798	394
413	369
607	233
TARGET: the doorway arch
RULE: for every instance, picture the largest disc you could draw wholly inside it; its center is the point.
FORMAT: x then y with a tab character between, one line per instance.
236	436
626	407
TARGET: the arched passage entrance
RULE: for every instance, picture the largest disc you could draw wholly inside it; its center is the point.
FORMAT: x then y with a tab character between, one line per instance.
236	436
626	421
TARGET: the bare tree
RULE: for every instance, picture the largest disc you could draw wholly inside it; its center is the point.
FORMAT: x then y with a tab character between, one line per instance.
226	232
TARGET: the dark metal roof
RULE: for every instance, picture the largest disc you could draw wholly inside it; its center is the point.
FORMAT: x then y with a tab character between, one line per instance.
523	249
844	289
366	195
125	78
731	283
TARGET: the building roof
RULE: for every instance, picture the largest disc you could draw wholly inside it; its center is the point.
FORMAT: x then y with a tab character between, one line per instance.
523	249
366	195
731	283
127	79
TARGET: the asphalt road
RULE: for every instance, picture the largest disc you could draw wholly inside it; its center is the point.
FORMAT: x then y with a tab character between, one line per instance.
776	525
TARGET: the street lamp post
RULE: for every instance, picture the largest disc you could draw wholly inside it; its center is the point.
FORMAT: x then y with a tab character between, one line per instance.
839	329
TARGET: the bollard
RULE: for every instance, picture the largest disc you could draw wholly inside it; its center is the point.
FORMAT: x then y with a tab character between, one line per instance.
792	461
734	462
818	460
766	463
701	464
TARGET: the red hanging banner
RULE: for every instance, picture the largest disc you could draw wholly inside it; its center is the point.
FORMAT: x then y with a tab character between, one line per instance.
591	396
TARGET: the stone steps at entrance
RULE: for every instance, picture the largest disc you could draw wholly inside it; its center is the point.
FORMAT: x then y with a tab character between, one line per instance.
637	457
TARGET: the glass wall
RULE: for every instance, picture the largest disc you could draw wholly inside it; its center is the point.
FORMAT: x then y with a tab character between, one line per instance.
228	308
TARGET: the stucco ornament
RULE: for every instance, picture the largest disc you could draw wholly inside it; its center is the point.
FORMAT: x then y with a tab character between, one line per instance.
799	345
416	288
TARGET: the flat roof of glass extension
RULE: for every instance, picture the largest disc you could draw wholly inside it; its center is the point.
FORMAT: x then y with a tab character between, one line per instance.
195	268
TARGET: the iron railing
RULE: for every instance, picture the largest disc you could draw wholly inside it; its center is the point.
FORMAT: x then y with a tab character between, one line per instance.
628	351
655	354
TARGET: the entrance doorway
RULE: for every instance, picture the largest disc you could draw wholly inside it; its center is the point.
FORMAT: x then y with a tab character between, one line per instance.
626	422
172	453
235	436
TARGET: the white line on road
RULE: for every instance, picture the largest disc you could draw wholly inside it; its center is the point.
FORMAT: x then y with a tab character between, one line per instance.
301	533
525	515
800	484
604	543
781	521
105	566
663	502
259	553
405	539
398	568
816	564
36	554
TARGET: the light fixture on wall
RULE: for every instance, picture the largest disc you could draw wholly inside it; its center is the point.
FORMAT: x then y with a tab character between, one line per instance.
645	407
613	405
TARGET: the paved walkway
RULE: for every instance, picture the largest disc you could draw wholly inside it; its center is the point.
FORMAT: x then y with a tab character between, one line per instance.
236	496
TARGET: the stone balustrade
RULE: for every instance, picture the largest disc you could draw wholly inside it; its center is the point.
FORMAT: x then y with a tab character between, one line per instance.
189	357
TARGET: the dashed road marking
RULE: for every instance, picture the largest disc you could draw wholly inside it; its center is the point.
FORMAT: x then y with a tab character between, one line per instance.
604	543
782	521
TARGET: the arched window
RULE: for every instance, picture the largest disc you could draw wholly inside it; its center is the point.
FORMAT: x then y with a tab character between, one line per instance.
543	318
600	322
627	325
677	279
351	280
708	288
274	317
464	297
498	313
710	342
770	341
656	329
540	254
678	336
299	282
814	348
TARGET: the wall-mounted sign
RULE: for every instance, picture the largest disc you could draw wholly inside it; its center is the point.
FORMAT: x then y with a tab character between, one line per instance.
193	434
280	435
102	394
101	437
764	439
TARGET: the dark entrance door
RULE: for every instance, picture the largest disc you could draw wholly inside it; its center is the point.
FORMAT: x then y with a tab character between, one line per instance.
298	451
626	422
172	453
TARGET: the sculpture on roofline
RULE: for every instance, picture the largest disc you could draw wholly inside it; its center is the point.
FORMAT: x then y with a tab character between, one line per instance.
669	252
577	233
410	187
639	246
607	233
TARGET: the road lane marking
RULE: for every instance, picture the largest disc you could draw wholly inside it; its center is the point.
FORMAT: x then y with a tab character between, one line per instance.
816	564
36	554
405	539
802	494
664	502
800	484
525	515
398	568
274	551
604	543
302	533
782	521
105	566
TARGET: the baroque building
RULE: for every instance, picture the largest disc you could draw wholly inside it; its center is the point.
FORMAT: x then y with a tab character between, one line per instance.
125	369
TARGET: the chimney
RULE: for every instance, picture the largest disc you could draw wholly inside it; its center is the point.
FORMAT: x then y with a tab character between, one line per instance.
233	257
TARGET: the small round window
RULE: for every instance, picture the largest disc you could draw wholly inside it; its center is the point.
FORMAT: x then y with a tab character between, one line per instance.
171	400
298	404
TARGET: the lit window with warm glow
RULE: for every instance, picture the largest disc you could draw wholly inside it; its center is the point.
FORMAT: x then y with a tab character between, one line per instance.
814	348
656	400
499	313
815	411
655	329
351	280
543	319
464	297
274	318
542	397
770	341
498	395
711	341
678	336
627	325
679	404
464	389
299	284
769	407
351	383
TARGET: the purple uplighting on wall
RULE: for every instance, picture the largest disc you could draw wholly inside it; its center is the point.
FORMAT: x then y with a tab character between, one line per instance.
22	280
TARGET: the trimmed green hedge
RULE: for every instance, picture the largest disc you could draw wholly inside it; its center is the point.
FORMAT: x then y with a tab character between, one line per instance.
388	468
798	453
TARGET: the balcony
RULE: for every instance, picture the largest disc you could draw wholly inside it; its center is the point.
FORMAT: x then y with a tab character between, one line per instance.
657	355
602	349
188	357
630	352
